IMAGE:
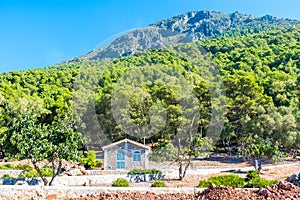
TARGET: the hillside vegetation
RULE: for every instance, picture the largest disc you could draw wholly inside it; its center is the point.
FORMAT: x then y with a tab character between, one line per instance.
260	73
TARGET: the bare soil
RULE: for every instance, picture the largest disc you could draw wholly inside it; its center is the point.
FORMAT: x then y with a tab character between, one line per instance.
275	192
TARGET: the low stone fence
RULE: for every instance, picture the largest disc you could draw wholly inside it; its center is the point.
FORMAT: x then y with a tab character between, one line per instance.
56	192
14	173
95	180
21	181
105	172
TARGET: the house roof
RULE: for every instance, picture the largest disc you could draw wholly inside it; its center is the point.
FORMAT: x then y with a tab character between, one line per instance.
124	141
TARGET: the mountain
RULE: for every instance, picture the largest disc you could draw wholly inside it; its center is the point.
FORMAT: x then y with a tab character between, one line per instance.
188	27
260	72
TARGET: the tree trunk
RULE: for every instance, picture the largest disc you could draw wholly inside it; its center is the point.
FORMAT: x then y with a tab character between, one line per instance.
186	167
180	171
39	171
258	164
57	171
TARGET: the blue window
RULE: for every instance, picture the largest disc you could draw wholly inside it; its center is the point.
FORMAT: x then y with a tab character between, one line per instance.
121	155
137	156
120	160
120	165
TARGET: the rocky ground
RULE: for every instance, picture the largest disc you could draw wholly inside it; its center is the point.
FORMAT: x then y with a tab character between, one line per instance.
275	192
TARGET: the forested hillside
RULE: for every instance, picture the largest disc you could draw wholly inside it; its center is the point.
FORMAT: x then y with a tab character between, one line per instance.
260	73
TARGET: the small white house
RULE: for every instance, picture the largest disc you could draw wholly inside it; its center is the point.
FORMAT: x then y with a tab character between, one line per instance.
126	155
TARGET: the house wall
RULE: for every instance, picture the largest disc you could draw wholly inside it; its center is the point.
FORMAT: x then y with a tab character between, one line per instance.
110	156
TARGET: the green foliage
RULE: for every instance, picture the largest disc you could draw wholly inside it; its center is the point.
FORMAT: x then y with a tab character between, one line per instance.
261	79
253	180
29	174
7	166
260	149
28	138
145	171
6	176
32	173
252	174
158	183
24	167
91	161
120	182
225	180
260	183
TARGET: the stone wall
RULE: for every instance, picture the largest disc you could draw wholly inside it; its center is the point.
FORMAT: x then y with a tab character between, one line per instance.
14	173
57	192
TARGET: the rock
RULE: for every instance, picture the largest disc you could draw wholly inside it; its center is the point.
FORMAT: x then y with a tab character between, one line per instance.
212	186
65	168
188	27
293	178
264	193
285	186
74	172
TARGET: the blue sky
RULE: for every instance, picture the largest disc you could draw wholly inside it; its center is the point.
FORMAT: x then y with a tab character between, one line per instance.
40	33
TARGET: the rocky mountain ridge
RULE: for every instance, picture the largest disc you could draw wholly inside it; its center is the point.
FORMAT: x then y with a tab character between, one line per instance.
187	27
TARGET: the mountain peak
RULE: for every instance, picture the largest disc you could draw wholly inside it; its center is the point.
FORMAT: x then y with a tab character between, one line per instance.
187	27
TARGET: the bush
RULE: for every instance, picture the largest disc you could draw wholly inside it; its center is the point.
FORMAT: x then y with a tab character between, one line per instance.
158	184
29	174
6	176
7	166
260	183
225	180
91	161
254	180
32	173
46	171
120	182
145	171
24	167
252	174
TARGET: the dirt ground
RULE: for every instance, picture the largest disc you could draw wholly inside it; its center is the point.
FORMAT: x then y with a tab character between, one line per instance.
217	165
236	165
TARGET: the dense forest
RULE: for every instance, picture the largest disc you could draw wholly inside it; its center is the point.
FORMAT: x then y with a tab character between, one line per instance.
255	92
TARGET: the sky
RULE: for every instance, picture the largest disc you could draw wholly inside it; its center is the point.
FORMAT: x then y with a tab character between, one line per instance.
40	33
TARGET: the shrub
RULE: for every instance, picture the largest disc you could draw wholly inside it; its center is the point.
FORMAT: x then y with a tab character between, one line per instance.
29	174
24	167
46	171
91	161
120	182
225	180
7	166
145	171
6	176
254	180
32	173
252	174
158	184
260	183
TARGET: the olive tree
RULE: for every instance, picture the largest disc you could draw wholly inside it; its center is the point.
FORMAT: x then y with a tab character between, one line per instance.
182	153
26	137
259	150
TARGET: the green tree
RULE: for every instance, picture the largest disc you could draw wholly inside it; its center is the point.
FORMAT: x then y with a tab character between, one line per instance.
182	152
26	138
260	150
